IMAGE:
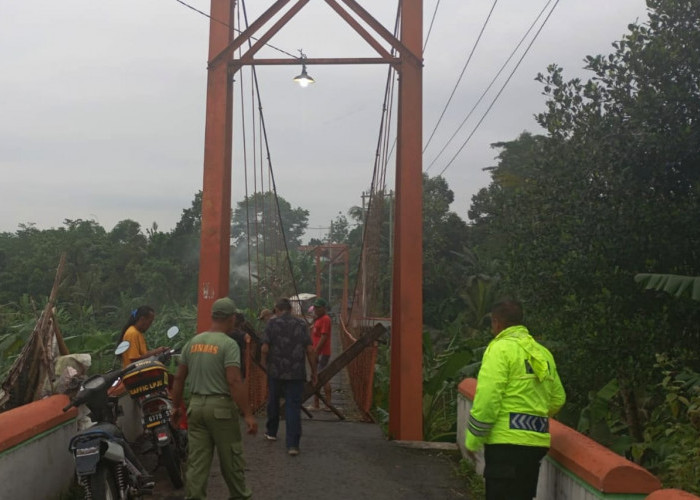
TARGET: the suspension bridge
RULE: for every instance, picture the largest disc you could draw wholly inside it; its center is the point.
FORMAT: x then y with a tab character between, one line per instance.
351	458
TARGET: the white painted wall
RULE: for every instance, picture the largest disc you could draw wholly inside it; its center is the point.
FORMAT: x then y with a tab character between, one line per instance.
40	468
555	483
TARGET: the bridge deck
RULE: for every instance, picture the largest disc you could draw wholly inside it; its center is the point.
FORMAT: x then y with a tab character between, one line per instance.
340	460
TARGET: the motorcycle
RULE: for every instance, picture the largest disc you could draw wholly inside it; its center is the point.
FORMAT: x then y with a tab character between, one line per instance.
147	383
105	465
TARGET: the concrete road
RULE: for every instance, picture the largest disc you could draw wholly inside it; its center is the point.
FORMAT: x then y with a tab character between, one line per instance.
338	460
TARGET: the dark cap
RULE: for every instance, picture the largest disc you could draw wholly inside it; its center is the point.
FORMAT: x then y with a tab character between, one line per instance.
320	303
223	307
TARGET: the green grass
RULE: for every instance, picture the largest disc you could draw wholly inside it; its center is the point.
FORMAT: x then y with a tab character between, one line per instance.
475	483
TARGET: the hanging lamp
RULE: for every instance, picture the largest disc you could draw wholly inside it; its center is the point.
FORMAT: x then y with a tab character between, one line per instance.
303	79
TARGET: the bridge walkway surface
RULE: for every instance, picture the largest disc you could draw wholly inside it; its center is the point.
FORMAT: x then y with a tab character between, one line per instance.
339	459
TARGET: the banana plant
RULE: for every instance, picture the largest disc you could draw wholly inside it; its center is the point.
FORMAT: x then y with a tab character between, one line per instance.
671	283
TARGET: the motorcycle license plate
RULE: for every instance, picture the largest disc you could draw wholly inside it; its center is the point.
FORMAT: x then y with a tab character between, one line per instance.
156	418
86	460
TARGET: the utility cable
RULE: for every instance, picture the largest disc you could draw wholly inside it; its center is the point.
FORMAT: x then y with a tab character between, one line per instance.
234	29
464	69
430	29
464	144
493	80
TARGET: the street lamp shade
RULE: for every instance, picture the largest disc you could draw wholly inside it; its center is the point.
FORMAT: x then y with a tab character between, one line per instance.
304	79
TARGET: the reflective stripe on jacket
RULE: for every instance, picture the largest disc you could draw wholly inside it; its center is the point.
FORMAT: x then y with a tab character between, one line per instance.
518	390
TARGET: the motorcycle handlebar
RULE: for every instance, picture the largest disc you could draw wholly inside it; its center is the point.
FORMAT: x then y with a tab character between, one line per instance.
166	355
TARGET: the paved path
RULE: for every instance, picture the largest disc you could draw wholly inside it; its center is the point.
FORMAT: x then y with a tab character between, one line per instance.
339	460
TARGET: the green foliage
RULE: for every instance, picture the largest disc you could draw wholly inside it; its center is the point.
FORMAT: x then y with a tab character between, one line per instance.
100	266
260	270
444	233
572	217
605	426
671	283
475	482
441	374
84	333
447	360
107	274
671	446
380	393
256	224
444	249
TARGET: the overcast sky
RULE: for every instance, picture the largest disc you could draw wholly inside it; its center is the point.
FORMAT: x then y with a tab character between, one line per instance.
102	102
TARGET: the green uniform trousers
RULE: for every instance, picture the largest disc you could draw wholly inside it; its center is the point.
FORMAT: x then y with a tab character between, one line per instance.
213	422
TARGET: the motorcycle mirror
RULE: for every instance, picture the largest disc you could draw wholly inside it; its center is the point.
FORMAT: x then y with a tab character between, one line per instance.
172	331
122	347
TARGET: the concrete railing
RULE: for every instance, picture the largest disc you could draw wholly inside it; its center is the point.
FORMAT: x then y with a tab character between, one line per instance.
578	468
35	463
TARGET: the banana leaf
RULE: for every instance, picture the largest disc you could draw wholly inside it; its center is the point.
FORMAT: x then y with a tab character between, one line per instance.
671	283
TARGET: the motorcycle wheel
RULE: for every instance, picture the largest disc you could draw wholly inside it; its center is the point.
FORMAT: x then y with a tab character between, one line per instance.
173	464
102	484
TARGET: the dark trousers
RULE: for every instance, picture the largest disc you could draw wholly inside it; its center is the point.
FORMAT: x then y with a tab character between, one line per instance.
292	391
511	471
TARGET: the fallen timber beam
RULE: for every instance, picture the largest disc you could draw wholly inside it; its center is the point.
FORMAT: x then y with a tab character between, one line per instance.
330	371
330	406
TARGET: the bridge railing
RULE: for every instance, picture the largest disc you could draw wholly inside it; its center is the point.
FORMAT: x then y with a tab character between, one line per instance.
35	463
360	370
577	468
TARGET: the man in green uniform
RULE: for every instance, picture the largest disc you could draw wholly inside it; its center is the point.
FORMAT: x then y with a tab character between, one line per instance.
211	361
518	390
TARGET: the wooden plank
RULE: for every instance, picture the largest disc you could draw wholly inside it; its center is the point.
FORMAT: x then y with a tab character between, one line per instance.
330	371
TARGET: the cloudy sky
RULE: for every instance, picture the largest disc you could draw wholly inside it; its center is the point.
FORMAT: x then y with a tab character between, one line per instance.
102	102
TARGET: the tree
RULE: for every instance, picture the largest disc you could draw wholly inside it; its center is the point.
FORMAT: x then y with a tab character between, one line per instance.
340	229
444	235
611	191
261	249
256	223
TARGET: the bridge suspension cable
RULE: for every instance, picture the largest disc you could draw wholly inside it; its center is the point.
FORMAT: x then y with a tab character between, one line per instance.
245	182
270	171
373	215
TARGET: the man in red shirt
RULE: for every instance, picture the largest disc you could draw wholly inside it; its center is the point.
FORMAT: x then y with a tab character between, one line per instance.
321	341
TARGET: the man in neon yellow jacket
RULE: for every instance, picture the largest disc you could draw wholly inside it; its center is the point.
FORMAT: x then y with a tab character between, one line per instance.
517	391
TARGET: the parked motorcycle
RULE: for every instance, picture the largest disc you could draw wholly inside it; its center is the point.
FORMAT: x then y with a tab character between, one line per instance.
148	384
106	466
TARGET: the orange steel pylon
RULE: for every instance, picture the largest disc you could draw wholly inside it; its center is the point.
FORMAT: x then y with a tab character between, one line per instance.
407	307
